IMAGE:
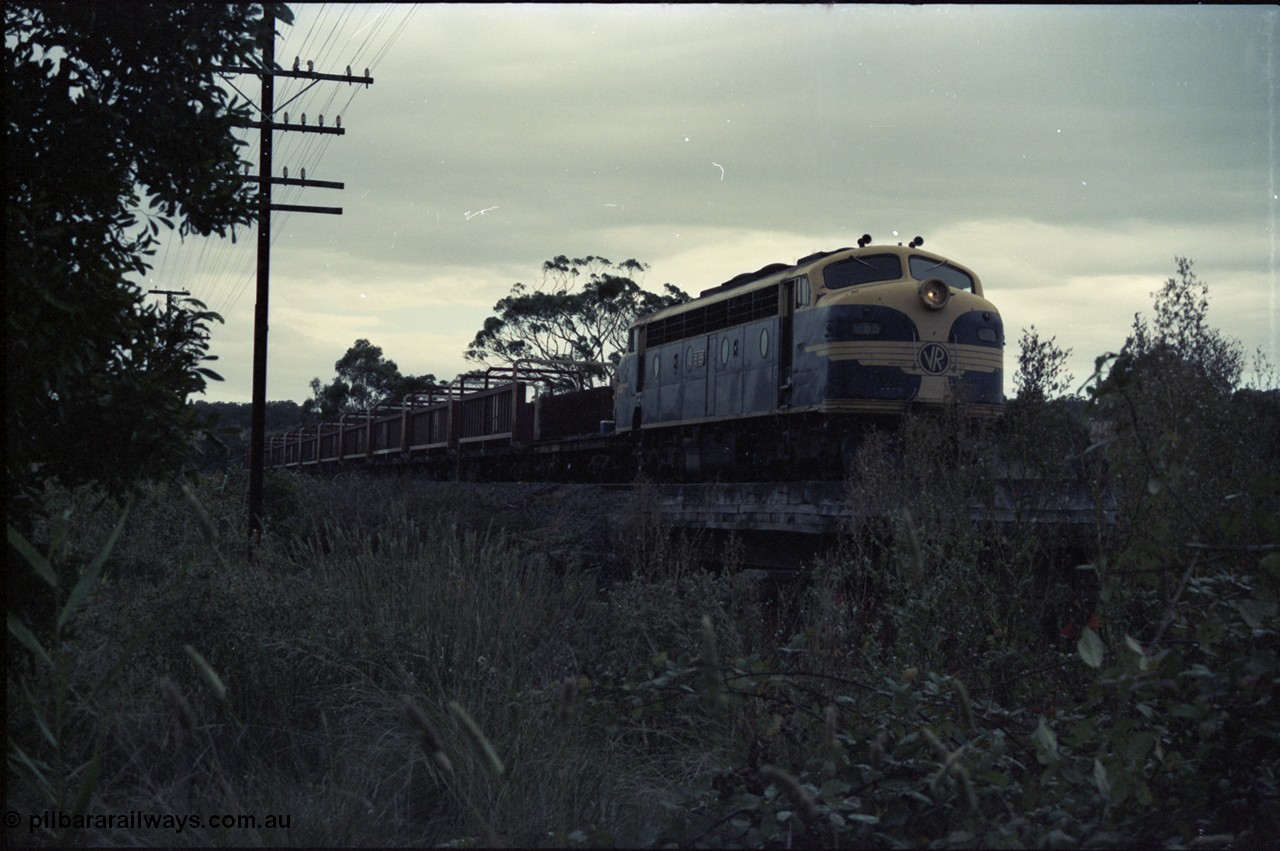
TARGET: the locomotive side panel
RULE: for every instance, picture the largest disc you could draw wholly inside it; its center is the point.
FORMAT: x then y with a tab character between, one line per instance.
978	338
760	367
670	386
854	352
727	401
652	368
693	393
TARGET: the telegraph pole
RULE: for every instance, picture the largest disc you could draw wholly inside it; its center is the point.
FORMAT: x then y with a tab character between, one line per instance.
169	294
258	414
265	179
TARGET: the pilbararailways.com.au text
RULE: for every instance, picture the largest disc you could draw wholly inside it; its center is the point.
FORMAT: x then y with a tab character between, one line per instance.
57	820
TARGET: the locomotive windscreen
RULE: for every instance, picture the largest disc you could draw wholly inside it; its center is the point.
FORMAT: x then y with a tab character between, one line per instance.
867	269
927	267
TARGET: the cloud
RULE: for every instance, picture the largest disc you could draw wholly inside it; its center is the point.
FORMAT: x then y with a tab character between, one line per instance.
1066	154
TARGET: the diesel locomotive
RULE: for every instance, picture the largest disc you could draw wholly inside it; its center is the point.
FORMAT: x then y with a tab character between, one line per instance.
775	373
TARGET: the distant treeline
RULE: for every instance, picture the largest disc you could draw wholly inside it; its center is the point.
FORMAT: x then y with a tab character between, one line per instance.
230	424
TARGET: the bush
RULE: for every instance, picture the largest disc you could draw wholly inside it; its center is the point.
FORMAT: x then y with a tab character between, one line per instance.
453	664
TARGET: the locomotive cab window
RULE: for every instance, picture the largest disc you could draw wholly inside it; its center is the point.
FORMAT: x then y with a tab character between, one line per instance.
802	292
868	269
927	267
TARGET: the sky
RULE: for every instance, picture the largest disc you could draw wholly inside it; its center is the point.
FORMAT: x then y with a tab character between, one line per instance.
1066	154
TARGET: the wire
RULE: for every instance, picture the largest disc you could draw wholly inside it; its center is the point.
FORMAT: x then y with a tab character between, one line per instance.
218	271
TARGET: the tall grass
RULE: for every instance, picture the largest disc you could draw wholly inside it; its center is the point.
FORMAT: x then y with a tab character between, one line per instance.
364	594
435	663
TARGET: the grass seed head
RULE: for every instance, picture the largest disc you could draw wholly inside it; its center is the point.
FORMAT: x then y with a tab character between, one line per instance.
966	706
479	740
207	672
710	657
182	710
714	696
430	741
913	540
208	529
568	693
796	793
877	747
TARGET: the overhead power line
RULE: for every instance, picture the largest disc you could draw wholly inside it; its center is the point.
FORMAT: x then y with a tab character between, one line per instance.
333	36
266	179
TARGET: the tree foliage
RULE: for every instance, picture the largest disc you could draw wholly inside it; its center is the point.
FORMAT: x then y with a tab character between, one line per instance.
1192	456
1179	350
1174	378
580	312
106	104
1041	371
365	378
1044	426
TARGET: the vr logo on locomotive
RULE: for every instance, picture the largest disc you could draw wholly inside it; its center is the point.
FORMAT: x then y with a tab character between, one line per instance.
933	358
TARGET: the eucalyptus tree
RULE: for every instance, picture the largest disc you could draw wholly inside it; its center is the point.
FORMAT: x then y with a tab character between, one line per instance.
580	311
365	378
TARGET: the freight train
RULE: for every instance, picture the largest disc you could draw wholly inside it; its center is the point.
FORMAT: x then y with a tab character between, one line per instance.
773	374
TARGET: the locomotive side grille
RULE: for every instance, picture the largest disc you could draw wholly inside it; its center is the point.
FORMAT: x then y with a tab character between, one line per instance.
739	310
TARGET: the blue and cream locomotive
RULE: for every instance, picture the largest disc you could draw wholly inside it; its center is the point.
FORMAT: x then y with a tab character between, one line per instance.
800	352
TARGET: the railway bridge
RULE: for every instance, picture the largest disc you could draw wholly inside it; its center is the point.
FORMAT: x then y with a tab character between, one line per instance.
780	525
823	508
783	524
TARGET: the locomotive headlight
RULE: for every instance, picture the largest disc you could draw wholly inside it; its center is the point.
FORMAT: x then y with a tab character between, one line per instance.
934	293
